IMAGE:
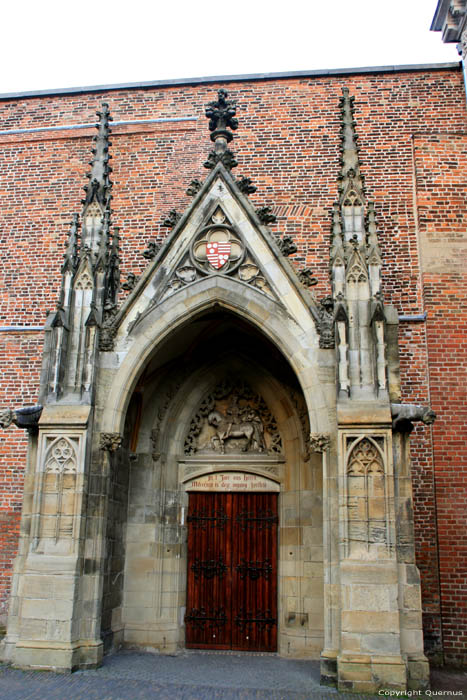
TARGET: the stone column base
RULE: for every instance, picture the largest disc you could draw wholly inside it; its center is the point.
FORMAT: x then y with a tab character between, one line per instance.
360	673
418	672
328	668
60	657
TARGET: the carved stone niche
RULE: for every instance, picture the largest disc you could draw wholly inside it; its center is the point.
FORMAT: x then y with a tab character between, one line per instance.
233	419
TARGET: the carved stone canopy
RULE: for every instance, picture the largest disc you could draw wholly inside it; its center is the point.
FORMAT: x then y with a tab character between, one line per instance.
233	419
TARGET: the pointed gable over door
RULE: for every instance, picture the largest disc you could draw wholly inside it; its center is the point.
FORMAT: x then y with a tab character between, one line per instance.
221	238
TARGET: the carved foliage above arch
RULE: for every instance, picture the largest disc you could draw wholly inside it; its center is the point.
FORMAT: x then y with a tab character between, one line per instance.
233	419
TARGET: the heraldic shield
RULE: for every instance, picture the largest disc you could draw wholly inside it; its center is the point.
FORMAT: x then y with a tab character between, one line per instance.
218	252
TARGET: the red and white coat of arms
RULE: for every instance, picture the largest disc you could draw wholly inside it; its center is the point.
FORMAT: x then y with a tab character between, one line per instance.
218	252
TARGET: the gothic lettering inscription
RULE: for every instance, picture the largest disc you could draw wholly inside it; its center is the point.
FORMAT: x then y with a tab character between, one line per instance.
231	481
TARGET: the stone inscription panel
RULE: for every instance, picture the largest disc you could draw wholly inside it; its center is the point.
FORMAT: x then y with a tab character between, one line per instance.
231	481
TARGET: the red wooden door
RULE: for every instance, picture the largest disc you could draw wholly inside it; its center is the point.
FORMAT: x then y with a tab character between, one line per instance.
232	571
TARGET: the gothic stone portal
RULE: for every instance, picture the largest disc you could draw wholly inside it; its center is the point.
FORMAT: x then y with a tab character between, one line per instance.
232	417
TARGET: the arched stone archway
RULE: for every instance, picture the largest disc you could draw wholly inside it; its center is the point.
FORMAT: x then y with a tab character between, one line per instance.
145	334
145	585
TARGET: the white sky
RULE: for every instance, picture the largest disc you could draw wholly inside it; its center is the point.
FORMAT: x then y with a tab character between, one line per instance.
69	43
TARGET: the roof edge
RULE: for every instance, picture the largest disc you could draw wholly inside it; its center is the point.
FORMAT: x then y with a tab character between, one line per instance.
440	15
230	78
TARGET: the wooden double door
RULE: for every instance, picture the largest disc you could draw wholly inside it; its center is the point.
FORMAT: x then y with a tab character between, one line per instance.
232	571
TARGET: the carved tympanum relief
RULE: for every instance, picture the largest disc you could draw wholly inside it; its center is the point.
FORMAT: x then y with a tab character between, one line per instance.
217	249
366	494
231	420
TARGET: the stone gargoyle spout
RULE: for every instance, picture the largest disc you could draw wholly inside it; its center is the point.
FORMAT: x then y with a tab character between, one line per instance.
26	418
404	414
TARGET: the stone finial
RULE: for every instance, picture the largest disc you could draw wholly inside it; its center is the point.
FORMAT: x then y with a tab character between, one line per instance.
221	115
110	442
246	186
266	215
320	442
130	283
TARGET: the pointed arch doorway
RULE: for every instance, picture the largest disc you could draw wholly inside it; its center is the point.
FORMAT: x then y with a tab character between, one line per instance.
217	363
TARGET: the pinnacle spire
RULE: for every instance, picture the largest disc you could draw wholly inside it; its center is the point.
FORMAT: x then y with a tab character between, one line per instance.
99	177
351	187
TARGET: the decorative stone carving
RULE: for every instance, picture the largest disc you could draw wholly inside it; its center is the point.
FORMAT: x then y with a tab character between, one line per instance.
6	417
306	277
171	219
237	422
226	157
26	418
221	115
324	318
61	457
130	283
365	459
194	187
110	442
366	497
245	185
108	329
403	416
266	216
287	246
234	419
218	247
320	442
151	251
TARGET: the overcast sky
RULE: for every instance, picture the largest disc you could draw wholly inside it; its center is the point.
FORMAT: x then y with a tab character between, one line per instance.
65	43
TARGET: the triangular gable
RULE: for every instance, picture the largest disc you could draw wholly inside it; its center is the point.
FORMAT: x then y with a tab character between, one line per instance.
220	233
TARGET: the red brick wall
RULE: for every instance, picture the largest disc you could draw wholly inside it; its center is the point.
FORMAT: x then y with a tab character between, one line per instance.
288	144
441	173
